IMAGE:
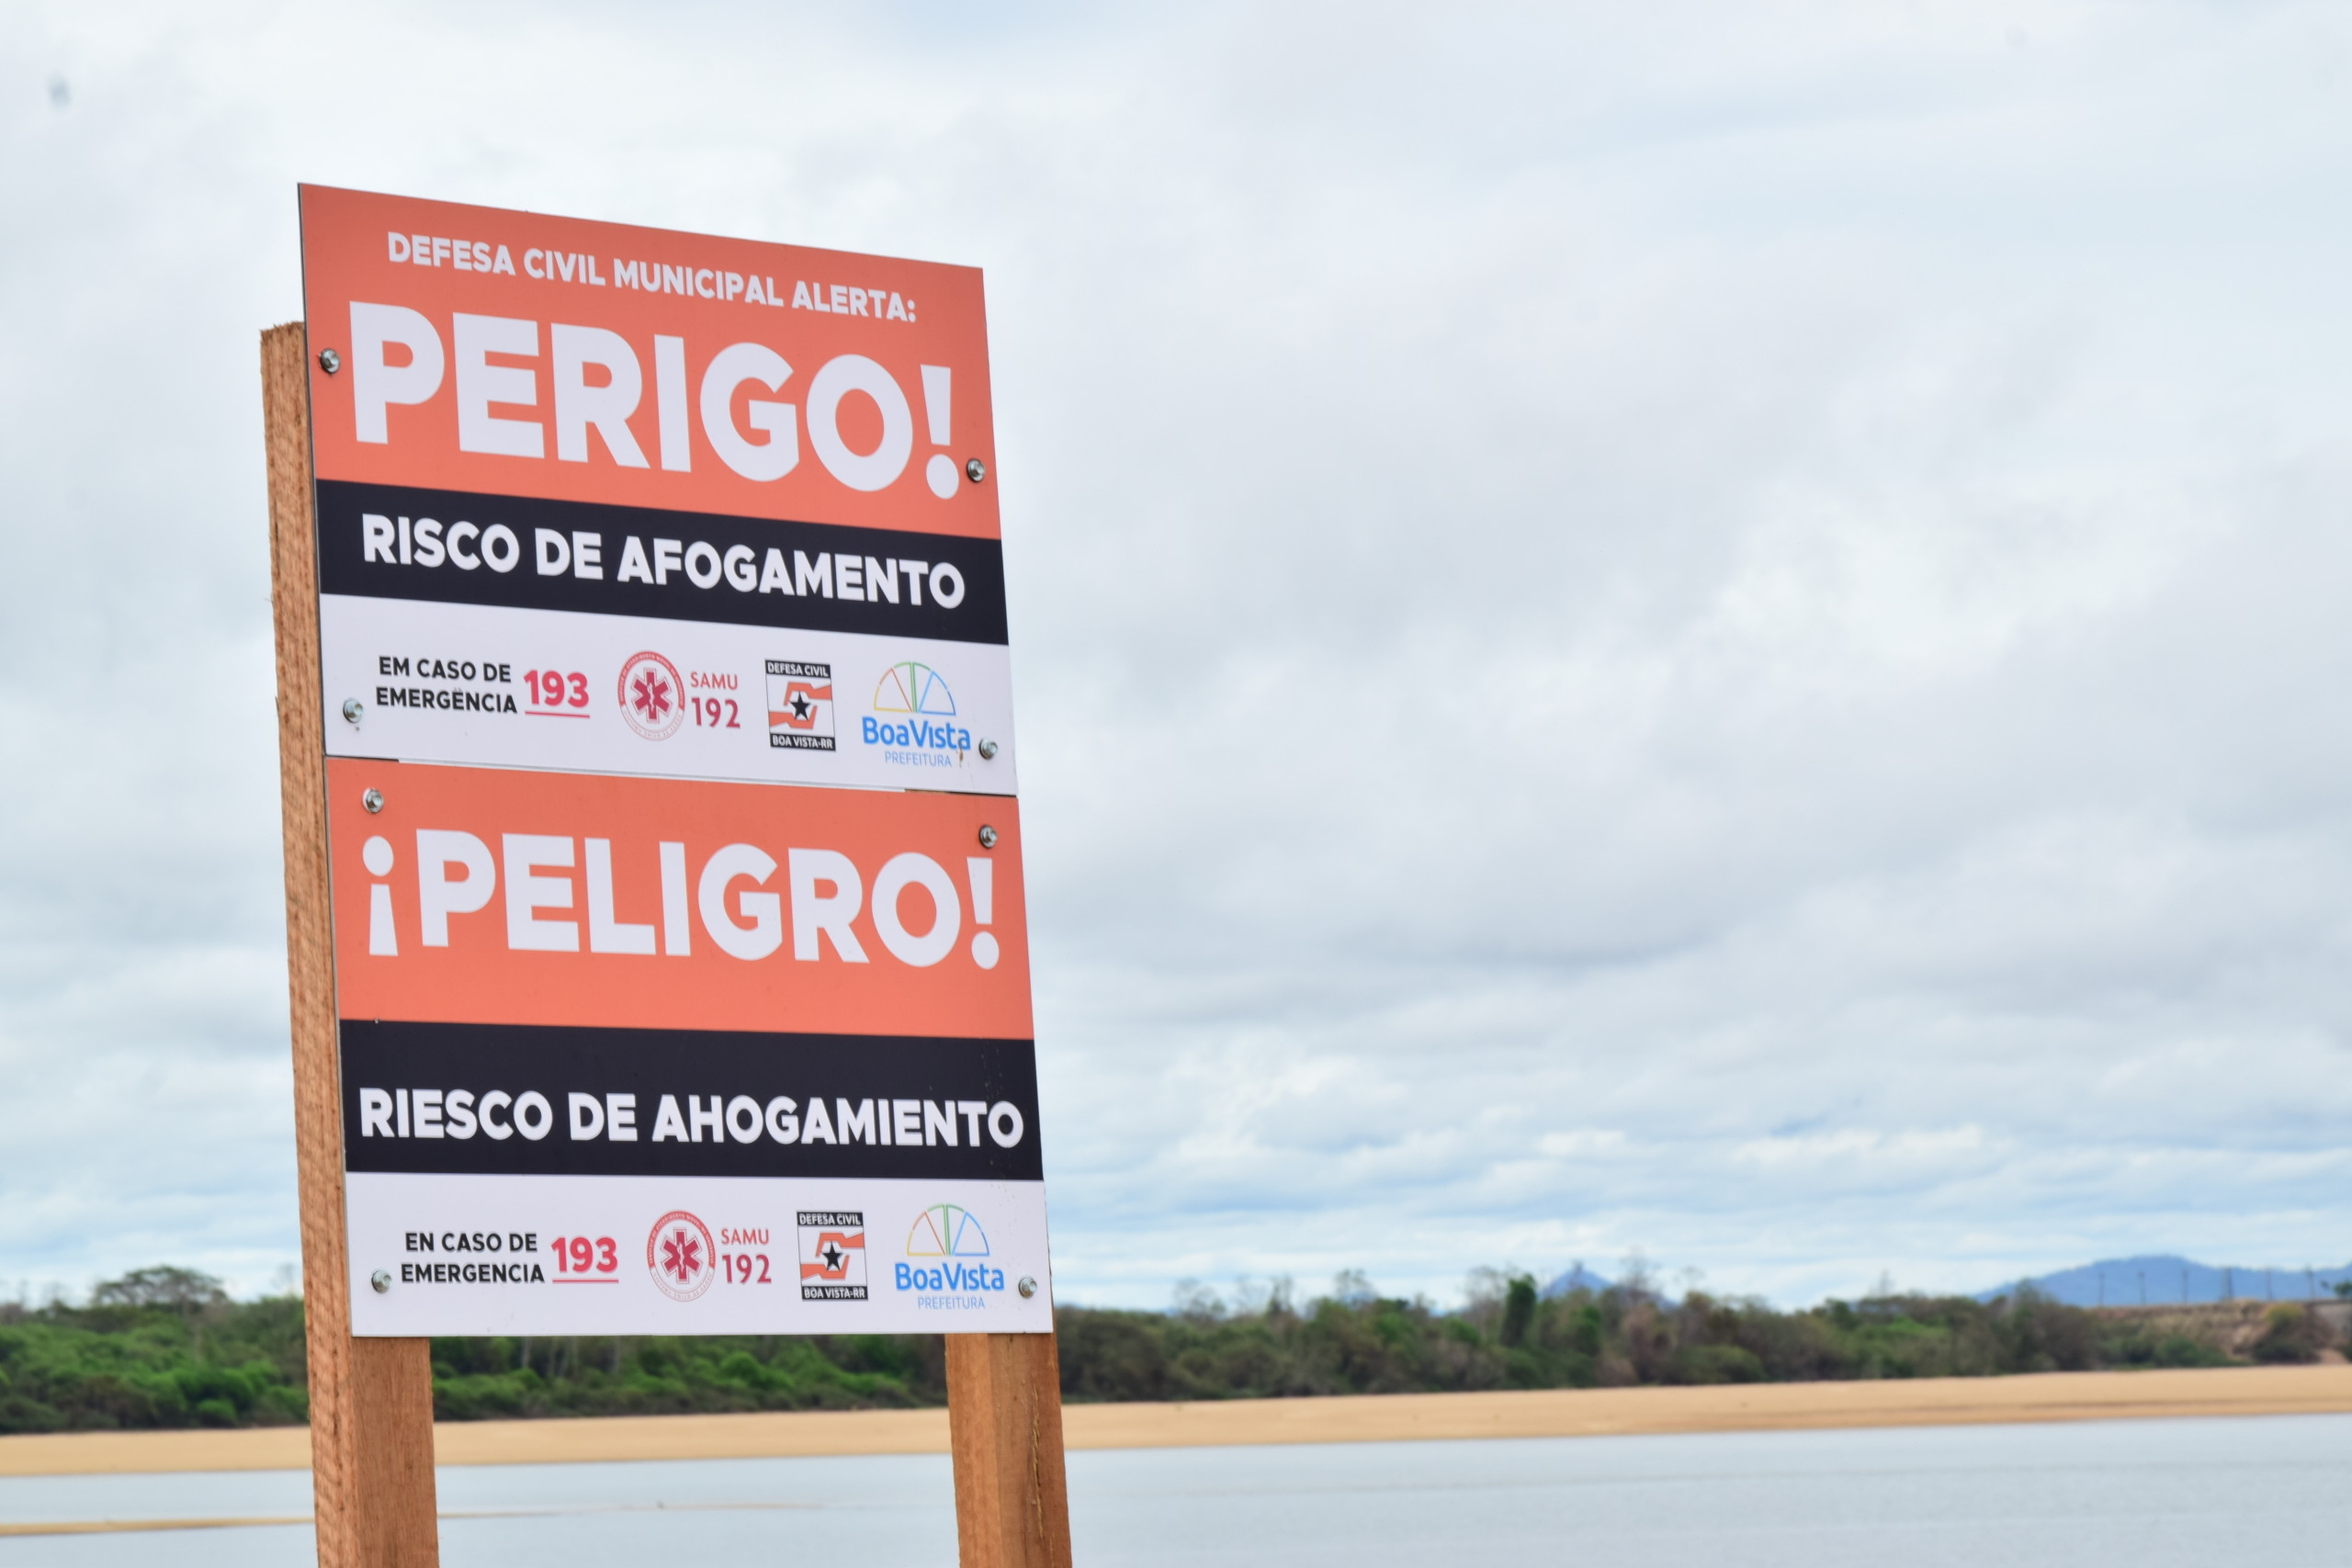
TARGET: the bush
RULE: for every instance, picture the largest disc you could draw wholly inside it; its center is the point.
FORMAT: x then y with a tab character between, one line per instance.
1715	1363
166	1347
159	1348
2291	1335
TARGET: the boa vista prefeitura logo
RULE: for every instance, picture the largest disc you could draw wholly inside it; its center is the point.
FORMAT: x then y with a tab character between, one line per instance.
679	1255
914	718
946	1262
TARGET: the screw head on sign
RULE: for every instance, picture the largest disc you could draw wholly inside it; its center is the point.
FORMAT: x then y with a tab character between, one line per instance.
975	470
330	361
1028	1287
373	800
353	708
987	836
988	748
384	1281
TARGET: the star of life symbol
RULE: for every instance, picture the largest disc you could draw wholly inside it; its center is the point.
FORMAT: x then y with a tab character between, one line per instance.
832	1255
800	705
654	698
680	1256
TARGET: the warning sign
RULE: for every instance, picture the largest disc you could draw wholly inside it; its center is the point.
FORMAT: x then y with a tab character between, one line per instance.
679	928
508	354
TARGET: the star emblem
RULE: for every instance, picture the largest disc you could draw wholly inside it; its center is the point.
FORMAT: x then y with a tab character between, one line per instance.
650	695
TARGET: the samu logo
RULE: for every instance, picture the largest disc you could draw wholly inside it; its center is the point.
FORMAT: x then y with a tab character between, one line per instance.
920	695
951	1234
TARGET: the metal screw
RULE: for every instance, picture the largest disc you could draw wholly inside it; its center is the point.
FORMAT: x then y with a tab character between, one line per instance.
384	1281
987	836
988	748
373	800
1027	1287
330	362
353	708
975	470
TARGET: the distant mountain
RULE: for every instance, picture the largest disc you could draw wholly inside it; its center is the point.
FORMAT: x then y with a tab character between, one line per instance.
2169	1279
2158	1281
1577	1278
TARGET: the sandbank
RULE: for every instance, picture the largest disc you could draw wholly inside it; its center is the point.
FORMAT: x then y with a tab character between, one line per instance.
1365	1418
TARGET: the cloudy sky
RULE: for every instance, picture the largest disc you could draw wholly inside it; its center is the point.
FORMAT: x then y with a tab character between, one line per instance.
1711	629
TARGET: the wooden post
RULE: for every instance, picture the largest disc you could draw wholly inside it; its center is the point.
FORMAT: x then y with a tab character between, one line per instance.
371	1400
1004	1419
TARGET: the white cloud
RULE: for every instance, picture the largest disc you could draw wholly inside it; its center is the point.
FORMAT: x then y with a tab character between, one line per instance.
1702	628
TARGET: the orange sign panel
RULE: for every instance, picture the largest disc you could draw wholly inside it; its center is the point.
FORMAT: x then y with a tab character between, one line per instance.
508	354
496	896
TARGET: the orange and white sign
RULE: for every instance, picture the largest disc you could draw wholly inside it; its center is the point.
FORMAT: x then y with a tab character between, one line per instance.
674	854
512	354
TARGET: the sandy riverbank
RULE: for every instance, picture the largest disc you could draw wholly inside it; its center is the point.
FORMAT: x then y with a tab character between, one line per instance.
2064	1396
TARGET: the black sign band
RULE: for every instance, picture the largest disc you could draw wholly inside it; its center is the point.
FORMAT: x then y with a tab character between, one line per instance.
391	542
517	1099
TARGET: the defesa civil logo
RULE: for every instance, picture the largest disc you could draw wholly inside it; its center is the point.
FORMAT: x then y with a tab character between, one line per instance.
800	705
914	718
832	1255
946	1263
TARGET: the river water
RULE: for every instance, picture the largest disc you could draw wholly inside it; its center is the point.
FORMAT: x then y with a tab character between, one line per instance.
2145	1493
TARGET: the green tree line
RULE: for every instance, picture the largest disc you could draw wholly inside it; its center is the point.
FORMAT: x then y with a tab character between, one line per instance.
166	1347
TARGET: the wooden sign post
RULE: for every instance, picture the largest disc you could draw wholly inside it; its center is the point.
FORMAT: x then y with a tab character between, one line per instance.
559	986
1004	1416
371	1400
